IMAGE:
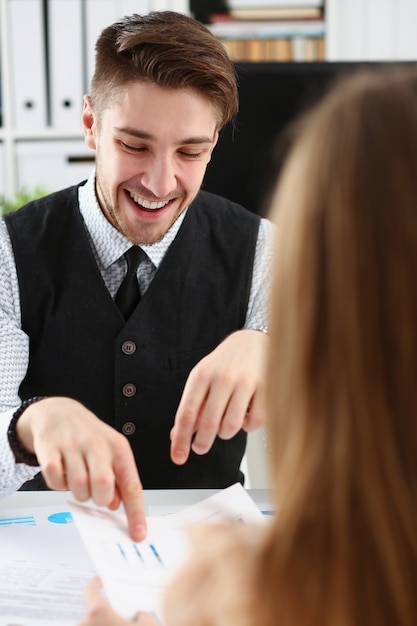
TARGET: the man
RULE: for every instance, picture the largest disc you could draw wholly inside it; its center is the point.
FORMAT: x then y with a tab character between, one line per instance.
180	373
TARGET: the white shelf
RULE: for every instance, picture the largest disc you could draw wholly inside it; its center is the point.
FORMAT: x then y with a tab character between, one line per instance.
36	134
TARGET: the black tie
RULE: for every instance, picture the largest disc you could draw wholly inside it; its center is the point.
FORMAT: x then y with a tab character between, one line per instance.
128	294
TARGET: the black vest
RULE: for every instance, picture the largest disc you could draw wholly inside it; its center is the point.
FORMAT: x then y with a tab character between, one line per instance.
132	374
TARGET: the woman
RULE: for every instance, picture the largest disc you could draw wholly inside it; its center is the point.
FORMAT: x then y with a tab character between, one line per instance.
341	391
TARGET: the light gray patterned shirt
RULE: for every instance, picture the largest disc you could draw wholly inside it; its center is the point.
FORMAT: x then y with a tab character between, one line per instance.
108	246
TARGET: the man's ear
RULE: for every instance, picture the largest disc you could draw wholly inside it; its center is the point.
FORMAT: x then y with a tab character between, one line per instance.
89	123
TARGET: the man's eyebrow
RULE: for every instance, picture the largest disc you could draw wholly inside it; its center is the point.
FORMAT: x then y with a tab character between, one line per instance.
141	134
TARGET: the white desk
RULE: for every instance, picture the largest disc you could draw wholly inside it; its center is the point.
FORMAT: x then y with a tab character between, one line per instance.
164	497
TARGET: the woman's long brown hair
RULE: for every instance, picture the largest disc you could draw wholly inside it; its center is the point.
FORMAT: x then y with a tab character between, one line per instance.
342	375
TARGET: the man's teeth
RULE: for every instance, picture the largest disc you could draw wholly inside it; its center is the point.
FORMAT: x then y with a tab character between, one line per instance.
148	205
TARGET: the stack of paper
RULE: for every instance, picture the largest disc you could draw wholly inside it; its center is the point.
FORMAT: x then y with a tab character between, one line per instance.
47	560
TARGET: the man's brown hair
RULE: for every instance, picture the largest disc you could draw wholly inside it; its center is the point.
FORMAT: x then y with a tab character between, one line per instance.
168	49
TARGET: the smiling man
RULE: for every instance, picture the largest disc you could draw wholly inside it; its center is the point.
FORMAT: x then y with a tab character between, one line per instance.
179	377
153	146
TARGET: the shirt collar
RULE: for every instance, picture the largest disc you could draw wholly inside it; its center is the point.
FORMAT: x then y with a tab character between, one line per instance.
109	243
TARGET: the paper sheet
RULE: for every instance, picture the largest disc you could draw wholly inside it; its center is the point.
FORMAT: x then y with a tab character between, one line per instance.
135	574
44	568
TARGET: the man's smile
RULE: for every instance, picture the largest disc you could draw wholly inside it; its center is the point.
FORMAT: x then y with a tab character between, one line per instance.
146	204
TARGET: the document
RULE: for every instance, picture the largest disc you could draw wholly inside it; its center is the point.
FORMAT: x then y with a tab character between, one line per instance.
44	568
136	574
46	560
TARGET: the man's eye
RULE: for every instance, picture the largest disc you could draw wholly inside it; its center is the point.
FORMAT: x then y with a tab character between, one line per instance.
126	146
190	155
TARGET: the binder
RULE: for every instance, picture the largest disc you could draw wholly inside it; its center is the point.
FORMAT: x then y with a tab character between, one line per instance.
28	69
127	7
180	6
274	3
381	30
347	30
161	5
65	55
406	44
98	15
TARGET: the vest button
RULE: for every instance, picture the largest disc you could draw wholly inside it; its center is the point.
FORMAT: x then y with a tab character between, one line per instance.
128	428
129	390
128	347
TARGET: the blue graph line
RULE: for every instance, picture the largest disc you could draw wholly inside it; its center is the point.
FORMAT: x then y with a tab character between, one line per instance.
156	554
136	549
27	520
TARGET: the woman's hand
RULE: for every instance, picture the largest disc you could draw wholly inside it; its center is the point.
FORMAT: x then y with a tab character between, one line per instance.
100	613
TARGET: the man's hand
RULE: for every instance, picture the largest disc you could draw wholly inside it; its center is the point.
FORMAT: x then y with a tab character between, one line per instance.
224	393
79	452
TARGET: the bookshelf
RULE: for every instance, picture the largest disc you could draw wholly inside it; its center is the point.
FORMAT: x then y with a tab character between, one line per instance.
272	30
317	30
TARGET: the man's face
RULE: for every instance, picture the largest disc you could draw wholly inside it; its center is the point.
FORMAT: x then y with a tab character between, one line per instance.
152	148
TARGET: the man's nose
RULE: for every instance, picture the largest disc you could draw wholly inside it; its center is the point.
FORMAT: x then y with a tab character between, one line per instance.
160	177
